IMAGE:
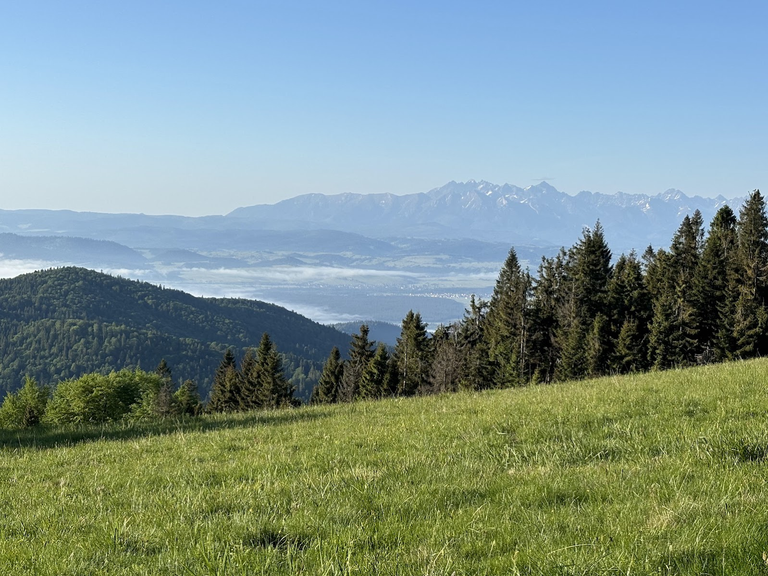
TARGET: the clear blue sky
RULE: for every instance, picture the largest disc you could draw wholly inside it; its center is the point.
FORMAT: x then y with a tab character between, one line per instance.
200	107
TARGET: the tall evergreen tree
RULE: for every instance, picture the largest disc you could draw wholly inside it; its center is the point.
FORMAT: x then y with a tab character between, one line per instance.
165	402
412	354
630	354
445	373
187	399
598	347
750	308
327	389
374	378
572	363
715	286
476	371
274	390
508	324
630	309
591	272
360	355
250	396
547	301
225	392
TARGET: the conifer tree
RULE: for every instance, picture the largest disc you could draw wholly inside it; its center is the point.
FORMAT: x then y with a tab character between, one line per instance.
630	353
547	301
374	377
225	392
250	396
187	399
591	271
412	355
508	324
628	296
445	372
274	390
165	402
327	389
476	372
685	252
750	309
598	347
662	345
715	286
360	355
753	247
572	363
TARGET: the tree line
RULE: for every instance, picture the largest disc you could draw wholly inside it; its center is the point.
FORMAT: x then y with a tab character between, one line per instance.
583	315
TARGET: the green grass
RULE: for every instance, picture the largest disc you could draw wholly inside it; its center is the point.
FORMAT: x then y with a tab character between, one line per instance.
663	473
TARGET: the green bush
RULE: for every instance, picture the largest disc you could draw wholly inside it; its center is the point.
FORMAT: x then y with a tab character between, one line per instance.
97	398
25	408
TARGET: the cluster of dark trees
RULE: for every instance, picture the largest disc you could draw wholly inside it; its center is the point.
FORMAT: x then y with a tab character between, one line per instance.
259	383
583	315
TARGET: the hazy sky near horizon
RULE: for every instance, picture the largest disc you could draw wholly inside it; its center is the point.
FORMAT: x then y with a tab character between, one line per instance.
201	107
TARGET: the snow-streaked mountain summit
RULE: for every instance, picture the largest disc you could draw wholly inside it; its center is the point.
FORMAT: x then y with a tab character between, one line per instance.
534	215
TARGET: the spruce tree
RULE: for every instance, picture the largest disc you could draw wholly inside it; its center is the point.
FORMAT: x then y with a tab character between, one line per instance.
508	324
591	272
749	311
547	300
753	247
715	286
360	355
572	363
225	392
373	379
187	399
476	371
630	311
412	355
165	402
445	372
250	396
629	355
327	389
598	347
662	343
273	389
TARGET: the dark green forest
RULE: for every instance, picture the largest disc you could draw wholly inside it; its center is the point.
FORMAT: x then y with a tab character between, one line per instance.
61	323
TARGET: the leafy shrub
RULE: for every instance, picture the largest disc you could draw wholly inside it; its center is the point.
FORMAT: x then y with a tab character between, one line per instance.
25	408
98	398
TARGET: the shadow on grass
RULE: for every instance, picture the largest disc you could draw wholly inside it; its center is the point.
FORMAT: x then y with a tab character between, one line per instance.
46	437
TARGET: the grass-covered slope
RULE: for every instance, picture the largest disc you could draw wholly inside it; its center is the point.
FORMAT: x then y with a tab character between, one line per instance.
655	474
61	323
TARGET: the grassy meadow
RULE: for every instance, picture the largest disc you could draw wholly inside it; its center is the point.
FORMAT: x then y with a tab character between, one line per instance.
662	473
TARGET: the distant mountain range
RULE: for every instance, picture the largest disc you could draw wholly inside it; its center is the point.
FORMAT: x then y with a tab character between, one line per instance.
537	215
348	257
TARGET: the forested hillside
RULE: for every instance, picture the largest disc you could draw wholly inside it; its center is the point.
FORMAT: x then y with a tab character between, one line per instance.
60	323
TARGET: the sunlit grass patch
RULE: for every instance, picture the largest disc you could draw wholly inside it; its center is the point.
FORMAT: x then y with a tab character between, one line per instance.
651	474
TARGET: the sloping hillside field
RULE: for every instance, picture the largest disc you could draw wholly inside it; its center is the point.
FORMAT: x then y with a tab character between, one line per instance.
663	473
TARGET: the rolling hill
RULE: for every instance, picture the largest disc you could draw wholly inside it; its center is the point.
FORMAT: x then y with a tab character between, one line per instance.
60	323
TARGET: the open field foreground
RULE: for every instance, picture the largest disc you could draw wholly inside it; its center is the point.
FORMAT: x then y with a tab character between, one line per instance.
664	473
